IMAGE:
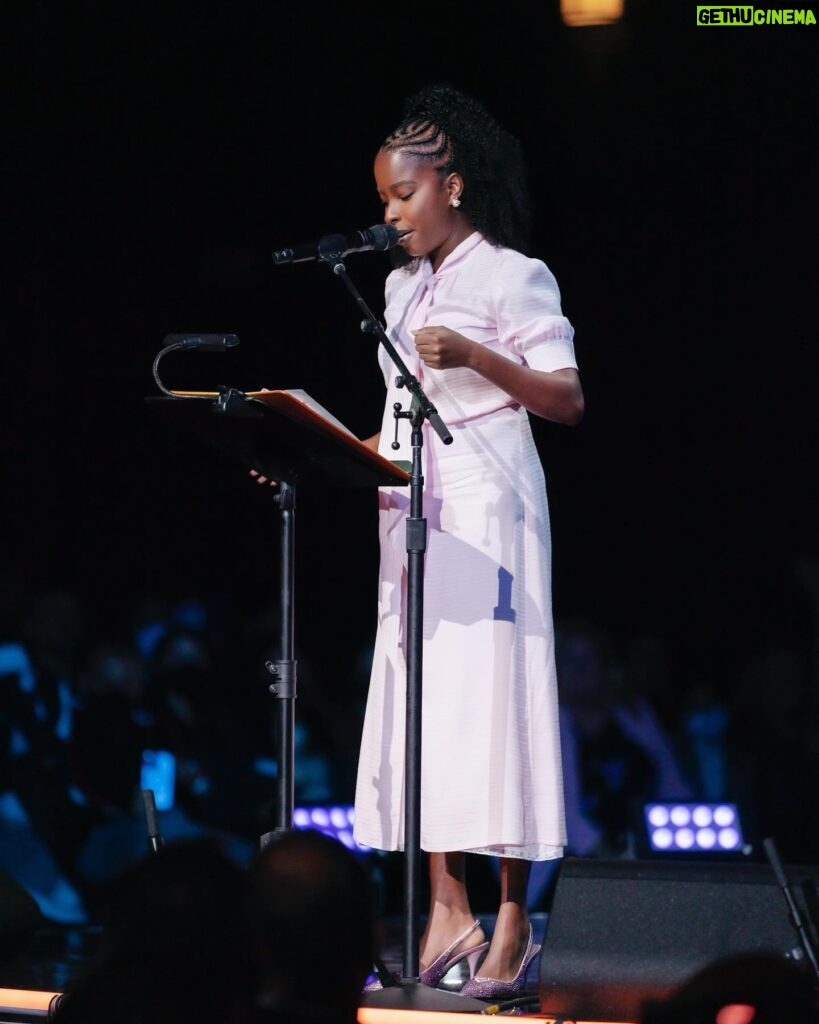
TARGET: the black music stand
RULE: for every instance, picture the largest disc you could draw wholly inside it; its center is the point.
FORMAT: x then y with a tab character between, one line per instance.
286	437
281	438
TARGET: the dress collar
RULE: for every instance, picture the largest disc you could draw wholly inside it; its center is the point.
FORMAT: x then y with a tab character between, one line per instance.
454	258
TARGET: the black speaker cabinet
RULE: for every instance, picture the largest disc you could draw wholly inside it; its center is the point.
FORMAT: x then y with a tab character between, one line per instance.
620	932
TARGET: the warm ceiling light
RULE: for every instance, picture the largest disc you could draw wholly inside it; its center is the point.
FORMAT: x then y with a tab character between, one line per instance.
591	12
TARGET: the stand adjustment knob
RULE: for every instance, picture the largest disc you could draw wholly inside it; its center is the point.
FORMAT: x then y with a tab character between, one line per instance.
284	675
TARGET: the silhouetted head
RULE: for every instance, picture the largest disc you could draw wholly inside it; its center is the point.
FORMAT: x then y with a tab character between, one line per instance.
312	902
177	944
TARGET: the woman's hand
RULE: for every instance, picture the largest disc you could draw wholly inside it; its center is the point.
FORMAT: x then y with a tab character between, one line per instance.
443	349
262	480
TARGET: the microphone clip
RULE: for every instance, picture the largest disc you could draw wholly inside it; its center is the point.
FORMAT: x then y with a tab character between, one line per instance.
331	248
234	402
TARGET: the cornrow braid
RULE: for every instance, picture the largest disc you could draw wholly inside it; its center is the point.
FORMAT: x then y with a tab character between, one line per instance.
423	139
453	132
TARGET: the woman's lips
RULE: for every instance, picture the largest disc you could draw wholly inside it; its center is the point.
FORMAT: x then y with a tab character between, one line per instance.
404	235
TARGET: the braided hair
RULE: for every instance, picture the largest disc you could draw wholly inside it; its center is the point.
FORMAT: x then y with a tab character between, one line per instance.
455	133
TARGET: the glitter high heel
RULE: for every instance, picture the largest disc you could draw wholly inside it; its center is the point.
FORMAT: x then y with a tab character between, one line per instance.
442	964
494	988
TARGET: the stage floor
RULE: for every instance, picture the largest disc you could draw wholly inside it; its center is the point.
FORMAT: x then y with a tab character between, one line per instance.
60	954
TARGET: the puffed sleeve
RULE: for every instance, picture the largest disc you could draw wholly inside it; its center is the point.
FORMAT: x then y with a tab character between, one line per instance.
530	321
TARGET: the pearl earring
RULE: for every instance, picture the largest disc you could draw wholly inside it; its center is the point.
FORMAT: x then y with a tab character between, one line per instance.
456	202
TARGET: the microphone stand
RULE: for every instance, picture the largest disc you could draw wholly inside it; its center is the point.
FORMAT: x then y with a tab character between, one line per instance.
409	993
155	840
772	853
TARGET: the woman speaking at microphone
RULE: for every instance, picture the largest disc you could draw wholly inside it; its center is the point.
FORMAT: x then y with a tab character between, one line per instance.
480	324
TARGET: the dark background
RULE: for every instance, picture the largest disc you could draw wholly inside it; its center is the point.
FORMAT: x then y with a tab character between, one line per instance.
157	155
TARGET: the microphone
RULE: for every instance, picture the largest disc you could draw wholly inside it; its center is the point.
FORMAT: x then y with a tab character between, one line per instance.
375	239
205	342
155	841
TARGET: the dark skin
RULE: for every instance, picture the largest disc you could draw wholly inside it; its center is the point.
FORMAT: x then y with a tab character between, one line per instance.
421	202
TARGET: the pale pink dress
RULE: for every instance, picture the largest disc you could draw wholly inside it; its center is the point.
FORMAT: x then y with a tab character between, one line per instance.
491	770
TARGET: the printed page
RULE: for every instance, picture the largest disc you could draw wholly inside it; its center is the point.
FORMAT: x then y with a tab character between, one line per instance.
311	403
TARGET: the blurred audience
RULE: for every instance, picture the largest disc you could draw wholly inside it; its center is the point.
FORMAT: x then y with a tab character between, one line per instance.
706	717
616	752
84	703
82	711
45	817
773	763
649	672
112	727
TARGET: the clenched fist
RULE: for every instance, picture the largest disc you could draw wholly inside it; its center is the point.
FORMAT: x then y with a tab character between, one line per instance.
442	349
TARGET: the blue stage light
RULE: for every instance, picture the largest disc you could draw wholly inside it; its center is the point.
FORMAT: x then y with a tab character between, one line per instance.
335	821
693	828
301	817
338	816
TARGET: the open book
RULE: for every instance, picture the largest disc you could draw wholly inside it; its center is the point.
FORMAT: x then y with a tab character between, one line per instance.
308	401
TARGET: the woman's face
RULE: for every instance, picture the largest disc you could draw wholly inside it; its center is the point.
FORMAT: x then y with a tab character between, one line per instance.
417	201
